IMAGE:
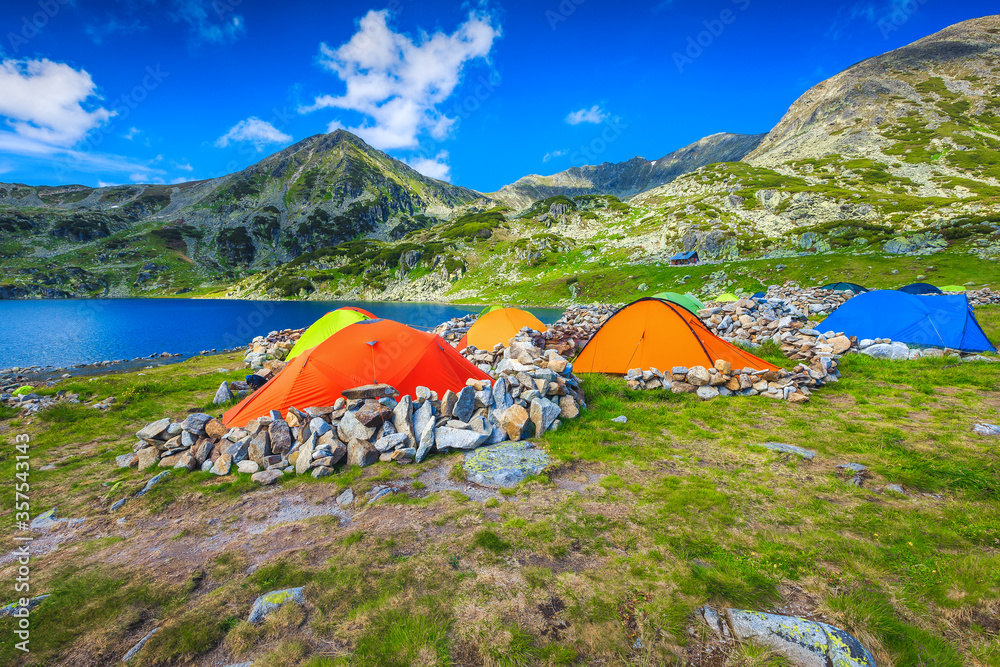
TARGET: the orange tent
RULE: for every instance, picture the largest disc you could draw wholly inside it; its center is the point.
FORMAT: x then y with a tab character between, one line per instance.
499	326
367	352
359	310
654	333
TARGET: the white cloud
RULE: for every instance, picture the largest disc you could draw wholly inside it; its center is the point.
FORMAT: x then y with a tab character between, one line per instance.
67	160
182	179
44	101
594	114
397	82
553	155
256	131
436	167
195	13
131	134
184	167
106	184
6	167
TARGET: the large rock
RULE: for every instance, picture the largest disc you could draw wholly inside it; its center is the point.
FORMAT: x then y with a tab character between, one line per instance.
501	395
986	429
361	453
887	351
266	477
426	441
304	460
698	376
457	438
127	460
369	391
568	409
259	447
196	423
147	458
707	393
280	436
788	449
803	642
402	418
423	416
349	428
542	413
515	423
504	465
389	442
269	603
465	405
223	395
840	344
155	430
222	464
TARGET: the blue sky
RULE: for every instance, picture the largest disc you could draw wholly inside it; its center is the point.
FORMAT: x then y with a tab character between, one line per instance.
478	94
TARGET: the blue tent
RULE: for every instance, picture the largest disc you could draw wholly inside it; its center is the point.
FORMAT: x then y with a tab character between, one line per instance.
921	288
935	321
845	287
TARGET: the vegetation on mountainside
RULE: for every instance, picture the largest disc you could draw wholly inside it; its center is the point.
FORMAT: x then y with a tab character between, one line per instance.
634	527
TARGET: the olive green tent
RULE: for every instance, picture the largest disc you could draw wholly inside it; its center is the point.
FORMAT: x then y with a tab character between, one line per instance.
489	309
725	297
323	328
953	288
683	300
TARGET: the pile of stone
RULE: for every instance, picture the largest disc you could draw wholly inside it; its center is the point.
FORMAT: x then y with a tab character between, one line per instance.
454	329
753	321
274	346
723	380
533	391
578	324
809	300
983	297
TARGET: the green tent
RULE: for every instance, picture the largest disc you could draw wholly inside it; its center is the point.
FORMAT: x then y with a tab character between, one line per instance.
952	288
683	300
323	328
489	309
725	297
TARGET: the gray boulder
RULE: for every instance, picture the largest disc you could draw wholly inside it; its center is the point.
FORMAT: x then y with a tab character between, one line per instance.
788	449
805	643
223	395
465	404
504	465
457	438
986	429
269	603
154	430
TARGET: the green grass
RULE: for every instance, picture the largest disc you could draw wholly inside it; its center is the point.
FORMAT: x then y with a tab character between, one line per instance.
633	527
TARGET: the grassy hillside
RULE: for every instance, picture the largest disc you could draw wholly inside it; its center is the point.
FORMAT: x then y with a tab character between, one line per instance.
633	527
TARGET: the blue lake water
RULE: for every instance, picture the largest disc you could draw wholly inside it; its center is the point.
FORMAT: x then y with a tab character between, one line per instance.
68	332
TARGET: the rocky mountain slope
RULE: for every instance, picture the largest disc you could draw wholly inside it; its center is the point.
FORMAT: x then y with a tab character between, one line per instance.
322	191
907	143
625	179
895	156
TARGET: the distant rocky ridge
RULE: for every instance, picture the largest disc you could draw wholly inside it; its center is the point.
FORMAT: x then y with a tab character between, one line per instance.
625	179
